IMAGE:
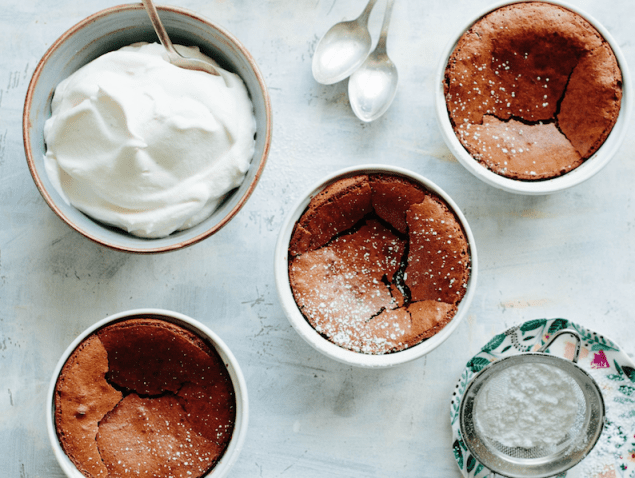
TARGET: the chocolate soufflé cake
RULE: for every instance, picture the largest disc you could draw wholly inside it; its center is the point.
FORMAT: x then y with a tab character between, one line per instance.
378	263
144	398
532	90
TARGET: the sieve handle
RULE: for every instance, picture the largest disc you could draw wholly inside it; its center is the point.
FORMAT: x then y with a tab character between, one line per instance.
575	335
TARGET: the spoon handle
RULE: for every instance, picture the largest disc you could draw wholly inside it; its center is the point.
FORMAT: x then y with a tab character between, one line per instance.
173	55
381	43
159	28
363	18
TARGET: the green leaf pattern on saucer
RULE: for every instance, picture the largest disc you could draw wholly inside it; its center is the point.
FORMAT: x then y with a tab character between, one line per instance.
599	355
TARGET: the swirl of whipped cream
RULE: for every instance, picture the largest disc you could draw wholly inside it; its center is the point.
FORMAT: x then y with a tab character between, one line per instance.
138	143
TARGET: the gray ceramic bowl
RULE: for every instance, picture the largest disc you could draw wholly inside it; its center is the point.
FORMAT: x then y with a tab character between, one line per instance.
112	29
221	469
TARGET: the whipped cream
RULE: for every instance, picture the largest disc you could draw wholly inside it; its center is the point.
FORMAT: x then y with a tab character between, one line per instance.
138	143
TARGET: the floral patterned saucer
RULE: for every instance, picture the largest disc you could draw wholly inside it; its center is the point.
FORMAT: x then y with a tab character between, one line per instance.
614	454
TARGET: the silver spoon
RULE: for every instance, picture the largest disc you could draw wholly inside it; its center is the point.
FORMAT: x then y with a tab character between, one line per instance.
342	49
174	56
372	88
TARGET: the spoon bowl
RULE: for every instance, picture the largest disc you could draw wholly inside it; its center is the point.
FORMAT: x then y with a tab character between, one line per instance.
342	49
174	56
372	88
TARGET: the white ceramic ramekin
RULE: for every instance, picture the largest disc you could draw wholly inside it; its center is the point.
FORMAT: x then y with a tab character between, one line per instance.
302	326
583	172
240	387
110	30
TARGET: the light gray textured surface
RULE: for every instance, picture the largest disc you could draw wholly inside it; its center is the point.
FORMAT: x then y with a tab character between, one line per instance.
567	255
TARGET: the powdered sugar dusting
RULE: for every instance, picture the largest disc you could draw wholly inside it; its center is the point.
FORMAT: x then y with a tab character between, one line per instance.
528	405
386	282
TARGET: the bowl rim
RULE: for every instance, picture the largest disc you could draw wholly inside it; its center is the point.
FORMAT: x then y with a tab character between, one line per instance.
239	434
302	326
26	135
587	169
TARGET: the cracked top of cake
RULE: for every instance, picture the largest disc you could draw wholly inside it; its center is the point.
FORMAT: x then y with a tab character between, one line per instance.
532	90
147	398
378	263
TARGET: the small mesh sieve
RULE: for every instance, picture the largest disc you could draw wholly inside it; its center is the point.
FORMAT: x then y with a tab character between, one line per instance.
542	459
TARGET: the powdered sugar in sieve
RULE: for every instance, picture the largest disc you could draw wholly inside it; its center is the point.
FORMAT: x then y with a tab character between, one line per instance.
532	414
